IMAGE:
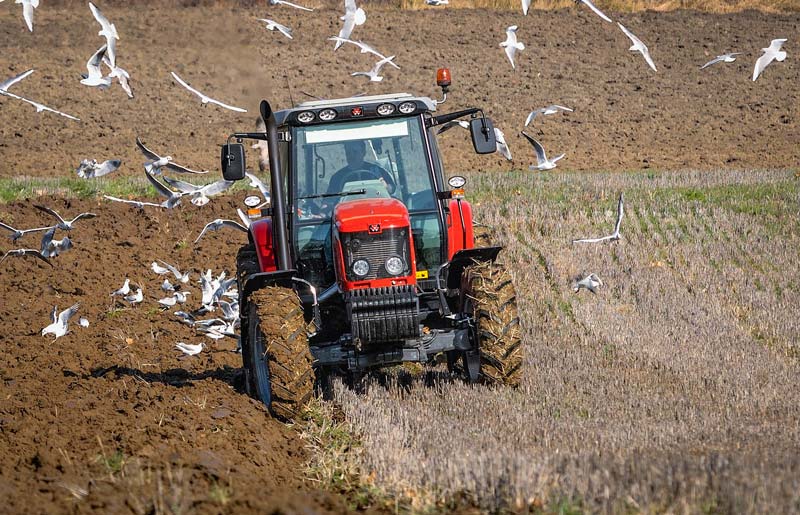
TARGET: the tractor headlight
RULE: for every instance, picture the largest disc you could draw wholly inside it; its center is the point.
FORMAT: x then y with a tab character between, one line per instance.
361	267
407	107
395	265
306	117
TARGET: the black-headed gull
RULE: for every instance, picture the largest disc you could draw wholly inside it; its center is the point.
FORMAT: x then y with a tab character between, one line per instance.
373	73
39	107
724	58
155	162
200	194
501	144
274	25
591	282
204	99
182	277
772	52
50	247
511	45
91	169
135	298
352	16
64	225
26	252
594	8
19	233
542	162
218	224
638	46
126	289
190	349
289	4
95	76
365	49
615	235
551	109
137	203
59	323
173	198
122	76
109	31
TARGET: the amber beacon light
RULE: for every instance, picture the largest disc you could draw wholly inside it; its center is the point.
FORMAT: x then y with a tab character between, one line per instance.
443	79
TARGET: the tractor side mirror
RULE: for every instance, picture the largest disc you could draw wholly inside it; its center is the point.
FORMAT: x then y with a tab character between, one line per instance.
482	131
232	159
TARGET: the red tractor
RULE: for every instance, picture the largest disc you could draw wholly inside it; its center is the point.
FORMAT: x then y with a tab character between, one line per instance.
365	256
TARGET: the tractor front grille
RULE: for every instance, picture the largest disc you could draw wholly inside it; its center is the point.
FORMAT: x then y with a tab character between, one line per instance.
375	249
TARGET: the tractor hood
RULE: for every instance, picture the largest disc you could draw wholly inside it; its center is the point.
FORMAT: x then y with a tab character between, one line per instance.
370	215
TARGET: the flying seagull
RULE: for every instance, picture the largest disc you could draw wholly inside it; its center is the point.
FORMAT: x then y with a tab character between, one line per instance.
502	147
19	233
51	247
437	3
724	58
638	46
95	75
91	169
121	75
290	4
352	16
542	162
13	80
109	31
526	4
773	51
511	45
551	109
365	49
200	194
373	73
613	236
591	282
156	162
58	322
594	8
182	277
453	123
190	349
219	223
39	107
173	198
138	203
26	252
27	11
203	98
272	25
255	182
64	225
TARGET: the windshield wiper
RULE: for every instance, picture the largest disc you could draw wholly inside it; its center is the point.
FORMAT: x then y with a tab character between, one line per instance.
340	194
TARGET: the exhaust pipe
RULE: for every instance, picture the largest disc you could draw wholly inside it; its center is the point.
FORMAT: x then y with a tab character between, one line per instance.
281	242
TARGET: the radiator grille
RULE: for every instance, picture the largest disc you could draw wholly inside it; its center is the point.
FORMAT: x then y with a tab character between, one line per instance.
376	249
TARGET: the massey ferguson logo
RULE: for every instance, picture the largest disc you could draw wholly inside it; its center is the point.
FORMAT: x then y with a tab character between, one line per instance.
374	227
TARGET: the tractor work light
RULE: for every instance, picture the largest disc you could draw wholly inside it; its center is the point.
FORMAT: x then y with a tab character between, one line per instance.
443	77
327	115
361	267
407	107
395	265
385	109
306	117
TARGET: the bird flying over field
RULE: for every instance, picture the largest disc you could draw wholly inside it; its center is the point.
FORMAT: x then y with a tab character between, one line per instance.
26	252
364	47
206	99
273	25
437	3
594	8
289	4
91	169
122	76
173	198
200	194
39	107
107	30
511	45
64	225
724	58
551	109
373	73
155	162
51	247
138	203
218	224
772	52
591	282
502	146
526	5
13	80
190	349
638	46
615	235
27	11
94	77
59	321
182	277
19	233
453	123
542	162
255	182
352	16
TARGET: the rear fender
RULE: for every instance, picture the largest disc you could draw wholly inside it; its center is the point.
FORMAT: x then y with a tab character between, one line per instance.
459	227
464	258
261	237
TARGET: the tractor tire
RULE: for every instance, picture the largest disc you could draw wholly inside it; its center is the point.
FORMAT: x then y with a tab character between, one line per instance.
490	298
277	359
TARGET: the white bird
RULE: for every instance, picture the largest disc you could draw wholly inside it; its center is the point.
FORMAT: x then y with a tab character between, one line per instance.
136	298
551	109
594	8
542	162
511	45
255	182
272	25
138	203
206	99
39	107
26	252
160	270
109	31
373	73
168	302
437	3
59	323
155	162
91	169
526	5
453	123
591	282
51	247
218	331
122	76
27	11
19	233
638	46
613	236
200	194
83	322
352	16
95	74
502	146
182	277
190	349
289	4
772	52
64	225
219	223
364	47
230	310
243	217
126	289
166	285
173	197
180	296
724	58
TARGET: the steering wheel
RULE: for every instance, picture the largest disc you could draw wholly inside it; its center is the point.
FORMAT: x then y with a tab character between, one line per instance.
361	173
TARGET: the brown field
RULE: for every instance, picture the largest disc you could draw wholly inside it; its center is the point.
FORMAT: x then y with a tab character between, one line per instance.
672	390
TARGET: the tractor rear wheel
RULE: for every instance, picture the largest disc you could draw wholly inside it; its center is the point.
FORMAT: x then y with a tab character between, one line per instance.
489	297
277	359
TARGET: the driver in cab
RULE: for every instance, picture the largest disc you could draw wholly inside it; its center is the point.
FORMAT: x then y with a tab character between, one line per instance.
357	169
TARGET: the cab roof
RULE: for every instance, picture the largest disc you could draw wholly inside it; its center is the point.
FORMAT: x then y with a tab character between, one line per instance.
286	115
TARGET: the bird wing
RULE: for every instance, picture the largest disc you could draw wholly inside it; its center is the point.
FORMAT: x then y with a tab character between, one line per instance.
149	154
162	190
13	80
776	44
226	106
510	51
93	64
561	108
107	167
591	240
65	315
541	157
526	4
35	253
175	271
182	169
646	54
8	228
215	188
41	107
532	115
27	14
283	29
136	202
596	10
379	64
185	85
502	146
182	186
762	63
347	28
255	182
620	212
713	61
49	212
101	19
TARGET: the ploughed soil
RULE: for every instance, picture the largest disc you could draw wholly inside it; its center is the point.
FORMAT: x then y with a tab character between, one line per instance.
111	418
